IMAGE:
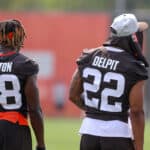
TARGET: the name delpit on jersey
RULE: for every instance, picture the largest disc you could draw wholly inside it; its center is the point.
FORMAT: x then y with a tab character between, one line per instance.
103	62
6	67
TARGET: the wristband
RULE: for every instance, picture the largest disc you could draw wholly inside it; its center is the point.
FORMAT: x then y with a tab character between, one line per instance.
40	148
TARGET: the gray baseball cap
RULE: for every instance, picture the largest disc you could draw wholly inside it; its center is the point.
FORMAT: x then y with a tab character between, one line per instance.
125	25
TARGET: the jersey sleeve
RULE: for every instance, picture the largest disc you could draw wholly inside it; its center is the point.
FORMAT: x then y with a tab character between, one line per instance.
86	56
24	66
141	72
83	59
136	74
30	67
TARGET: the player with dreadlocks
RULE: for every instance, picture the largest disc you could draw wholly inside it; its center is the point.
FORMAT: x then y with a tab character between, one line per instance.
19	94
108	86
12	35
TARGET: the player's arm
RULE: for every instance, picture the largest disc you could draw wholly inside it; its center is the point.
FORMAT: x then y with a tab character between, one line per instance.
75	92
36	118
137	114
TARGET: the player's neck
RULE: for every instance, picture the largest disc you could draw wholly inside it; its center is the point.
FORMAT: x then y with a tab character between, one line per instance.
4	50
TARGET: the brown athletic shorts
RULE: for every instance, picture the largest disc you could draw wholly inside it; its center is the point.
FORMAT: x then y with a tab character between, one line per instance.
89	142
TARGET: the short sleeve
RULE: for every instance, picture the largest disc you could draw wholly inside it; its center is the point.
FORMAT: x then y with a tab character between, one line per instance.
86	56
31	67
141	72
24	66
83	59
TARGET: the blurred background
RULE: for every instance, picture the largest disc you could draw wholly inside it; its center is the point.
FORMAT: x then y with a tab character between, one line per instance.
57	32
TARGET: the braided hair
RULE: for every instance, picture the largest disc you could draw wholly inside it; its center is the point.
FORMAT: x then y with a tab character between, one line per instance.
12	34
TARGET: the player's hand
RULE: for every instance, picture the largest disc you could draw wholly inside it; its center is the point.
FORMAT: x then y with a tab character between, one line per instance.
143	26
40	148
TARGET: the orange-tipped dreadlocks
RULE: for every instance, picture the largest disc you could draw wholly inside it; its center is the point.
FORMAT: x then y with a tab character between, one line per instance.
12	34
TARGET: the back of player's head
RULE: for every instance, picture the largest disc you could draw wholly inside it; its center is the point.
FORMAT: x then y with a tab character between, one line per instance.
12	34
122	29
124	25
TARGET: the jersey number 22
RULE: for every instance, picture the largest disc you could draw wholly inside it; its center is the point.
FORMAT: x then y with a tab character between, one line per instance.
98	80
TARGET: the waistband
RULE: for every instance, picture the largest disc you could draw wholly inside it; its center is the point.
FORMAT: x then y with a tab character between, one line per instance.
14	117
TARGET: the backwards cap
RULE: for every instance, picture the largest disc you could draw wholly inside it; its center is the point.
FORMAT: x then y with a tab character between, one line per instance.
125	25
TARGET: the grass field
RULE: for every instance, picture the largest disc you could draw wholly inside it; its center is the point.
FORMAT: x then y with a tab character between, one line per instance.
62	134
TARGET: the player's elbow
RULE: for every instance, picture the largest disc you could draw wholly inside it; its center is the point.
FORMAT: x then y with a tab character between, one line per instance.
137	113
73	97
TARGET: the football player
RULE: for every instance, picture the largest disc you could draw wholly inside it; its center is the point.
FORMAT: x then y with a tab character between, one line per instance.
18	92
108	86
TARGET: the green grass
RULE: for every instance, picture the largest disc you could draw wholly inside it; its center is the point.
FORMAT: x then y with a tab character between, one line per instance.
147	136
62	134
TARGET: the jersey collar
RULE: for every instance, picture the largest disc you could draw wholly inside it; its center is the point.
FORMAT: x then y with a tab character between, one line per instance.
114	49
7	54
